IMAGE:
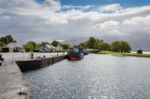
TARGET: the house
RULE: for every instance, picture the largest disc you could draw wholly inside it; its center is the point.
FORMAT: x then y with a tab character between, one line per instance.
59	48
45	48
12	47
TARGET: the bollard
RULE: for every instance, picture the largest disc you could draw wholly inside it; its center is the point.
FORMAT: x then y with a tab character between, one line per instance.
44	56
12	58
1	59
31	55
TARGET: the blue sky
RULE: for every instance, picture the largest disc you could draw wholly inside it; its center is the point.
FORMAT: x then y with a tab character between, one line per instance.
124	3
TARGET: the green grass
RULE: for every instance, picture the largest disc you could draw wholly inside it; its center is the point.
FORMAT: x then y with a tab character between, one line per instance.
125	54
109	52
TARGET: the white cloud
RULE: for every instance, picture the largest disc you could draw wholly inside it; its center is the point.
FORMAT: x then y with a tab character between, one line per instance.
110	8
135	10
138	20
109	27
49	21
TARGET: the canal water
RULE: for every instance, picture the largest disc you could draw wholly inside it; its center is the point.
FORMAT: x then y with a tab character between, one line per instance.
94	77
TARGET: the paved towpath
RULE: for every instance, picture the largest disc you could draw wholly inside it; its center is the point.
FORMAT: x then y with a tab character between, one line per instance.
12	85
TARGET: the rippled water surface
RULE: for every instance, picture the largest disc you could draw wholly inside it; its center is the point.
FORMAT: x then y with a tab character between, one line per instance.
94	77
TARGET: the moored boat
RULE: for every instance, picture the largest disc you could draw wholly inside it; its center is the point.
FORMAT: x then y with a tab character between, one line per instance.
75	53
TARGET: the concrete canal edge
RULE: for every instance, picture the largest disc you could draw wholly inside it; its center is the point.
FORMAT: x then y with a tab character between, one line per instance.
28	65
12	83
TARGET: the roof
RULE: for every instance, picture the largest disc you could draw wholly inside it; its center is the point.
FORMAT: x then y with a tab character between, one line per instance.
12	45
47	46
50	46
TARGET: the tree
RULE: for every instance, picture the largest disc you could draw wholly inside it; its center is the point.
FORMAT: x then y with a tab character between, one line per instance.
44	43
55	43
98	44
65	46
4	40
91	43
115	46
83	45
125	47
1	45
33	44
30	46
105	47
120	46
7	39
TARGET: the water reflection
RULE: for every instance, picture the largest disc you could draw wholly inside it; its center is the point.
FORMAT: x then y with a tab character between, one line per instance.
94	77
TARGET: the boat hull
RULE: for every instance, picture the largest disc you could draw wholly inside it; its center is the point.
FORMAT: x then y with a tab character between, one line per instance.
75	56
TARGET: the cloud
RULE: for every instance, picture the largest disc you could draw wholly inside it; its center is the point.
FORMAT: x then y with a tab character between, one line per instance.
138	20
110	8
111	28
82	8
53	5
29	20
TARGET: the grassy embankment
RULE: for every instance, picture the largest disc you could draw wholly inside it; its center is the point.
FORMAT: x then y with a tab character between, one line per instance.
125	54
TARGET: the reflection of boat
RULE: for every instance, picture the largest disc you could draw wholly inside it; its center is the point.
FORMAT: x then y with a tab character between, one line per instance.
75	53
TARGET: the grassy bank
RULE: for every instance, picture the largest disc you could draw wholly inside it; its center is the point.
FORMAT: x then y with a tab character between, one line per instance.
92	50
125	54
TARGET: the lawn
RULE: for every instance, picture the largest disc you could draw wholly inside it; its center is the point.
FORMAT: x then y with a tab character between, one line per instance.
125	54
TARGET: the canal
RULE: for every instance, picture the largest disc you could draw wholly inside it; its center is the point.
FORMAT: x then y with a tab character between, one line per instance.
94	77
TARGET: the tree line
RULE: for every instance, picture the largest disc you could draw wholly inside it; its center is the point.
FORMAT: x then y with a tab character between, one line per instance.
115	46
91	43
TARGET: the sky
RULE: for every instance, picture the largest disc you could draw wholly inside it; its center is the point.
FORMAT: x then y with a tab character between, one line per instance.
47	20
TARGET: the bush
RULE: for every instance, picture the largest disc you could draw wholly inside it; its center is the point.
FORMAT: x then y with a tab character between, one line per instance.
120	46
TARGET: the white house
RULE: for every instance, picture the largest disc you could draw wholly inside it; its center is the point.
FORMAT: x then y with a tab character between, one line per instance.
58	48
45	48
12	47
